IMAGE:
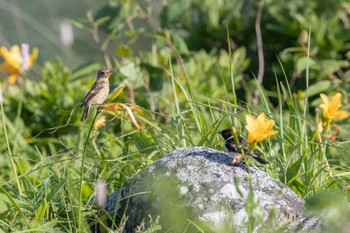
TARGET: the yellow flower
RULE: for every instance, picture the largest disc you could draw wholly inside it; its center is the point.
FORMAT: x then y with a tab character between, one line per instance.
258	128
330	109
100	122
13	62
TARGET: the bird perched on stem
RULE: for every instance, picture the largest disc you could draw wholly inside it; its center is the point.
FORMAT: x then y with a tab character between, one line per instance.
98	92
234	150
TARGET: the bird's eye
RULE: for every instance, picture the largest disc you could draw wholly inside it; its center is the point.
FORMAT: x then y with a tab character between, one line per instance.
103	73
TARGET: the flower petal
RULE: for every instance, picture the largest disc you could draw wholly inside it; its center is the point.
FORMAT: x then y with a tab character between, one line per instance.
267	125
251	125
335	103
5	67
12	79
33	56
14	57
271	133
261	118
100	122
330	109
12	60
259	128
132	117
324	98
340	114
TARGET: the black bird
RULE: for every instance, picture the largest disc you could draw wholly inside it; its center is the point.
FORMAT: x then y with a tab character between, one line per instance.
234	150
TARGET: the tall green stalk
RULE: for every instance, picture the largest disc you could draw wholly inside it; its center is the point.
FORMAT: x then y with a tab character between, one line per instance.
10	151
231	74
82	172
306	96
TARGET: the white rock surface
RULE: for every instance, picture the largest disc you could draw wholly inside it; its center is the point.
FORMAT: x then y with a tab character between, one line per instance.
199	185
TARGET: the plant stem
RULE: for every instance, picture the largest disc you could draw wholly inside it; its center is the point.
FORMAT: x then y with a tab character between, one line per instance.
9	150
260	51
234	100
324	156
82	172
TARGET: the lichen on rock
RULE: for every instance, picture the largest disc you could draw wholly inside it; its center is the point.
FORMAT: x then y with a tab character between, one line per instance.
197	185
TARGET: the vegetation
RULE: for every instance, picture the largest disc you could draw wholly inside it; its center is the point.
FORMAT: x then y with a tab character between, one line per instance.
201	70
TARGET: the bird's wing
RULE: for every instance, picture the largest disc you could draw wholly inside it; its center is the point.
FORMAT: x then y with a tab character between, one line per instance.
93	91
231	146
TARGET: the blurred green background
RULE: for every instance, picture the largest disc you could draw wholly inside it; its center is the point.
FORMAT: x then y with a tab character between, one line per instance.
38	24
192	67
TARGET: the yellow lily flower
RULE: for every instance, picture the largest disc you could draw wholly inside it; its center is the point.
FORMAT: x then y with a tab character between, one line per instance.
100	122
330	109
13	62
258	128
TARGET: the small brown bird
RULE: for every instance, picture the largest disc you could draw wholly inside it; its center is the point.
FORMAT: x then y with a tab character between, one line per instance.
98	92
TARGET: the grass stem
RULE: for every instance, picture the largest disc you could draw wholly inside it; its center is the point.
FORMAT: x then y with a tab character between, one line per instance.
82	172
10	151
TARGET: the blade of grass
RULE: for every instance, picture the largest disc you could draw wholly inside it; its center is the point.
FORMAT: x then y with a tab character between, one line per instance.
192	101
281	126
178	116
40	214
306	96
231	66
82	172
231	73
262	93
26	223
9	149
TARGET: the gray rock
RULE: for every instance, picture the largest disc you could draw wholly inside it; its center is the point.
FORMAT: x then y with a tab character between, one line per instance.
196	187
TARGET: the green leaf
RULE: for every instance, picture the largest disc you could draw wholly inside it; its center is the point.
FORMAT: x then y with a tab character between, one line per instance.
143	142
180	44
332	66
154	228
40	214
293	170
15	204
124	51
102	20
22	166
55	190
301	64
318	87
116	93
77	24
135	33
4	202
47	227
87	190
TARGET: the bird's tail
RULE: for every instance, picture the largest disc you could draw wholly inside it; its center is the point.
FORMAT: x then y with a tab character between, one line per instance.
259	159
85	115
